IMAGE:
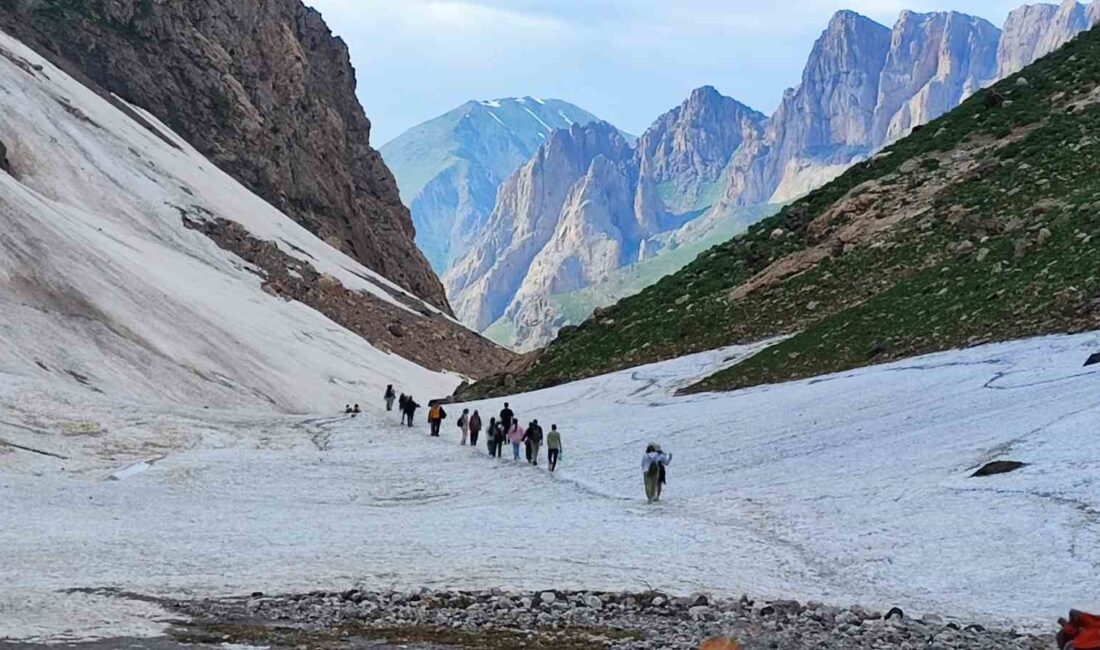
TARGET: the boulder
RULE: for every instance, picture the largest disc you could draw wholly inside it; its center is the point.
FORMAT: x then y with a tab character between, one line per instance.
1093	360
998	467
4	158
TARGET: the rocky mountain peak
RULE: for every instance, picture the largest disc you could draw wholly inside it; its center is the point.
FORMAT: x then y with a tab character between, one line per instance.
580	144
685	151
935	61
830	115
1033	31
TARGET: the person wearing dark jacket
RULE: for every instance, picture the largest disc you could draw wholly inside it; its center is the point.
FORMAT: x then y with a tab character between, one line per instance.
436	415
409	411
475	428
533	439
491	437
401	402
506	418
653	471
389	397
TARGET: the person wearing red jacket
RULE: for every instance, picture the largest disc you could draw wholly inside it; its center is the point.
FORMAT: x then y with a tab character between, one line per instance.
1080	632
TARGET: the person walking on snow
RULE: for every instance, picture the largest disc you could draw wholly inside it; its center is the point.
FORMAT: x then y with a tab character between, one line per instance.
515	436
475	428
389	397
409	411
553	447
653	471
533	438
464	424
507	417
491	437
436	415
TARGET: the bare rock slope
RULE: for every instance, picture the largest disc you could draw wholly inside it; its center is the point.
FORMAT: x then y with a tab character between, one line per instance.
264	90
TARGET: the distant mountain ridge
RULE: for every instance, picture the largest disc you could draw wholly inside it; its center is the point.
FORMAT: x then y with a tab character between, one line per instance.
587	205
449	168
713	161
980	227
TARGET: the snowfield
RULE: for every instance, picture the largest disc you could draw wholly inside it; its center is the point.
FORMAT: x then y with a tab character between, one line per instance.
848	489
168	429
102	285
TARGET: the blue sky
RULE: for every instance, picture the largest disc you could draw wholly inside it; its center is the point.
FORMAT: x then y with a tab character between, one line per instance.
627	61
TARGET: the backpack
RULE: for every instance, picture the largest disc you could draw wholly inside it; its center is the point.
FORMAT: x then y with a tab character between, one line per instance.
435	412
461	422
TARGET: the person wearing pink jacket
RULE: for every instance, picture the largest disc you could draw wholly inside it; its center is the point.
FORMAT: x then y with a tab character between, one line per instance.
515	436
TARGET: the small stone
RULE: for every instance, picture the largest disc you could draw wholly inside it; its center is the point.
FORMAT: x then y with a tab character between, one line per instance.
548	597
1045	235
593	602
1022	82
778	233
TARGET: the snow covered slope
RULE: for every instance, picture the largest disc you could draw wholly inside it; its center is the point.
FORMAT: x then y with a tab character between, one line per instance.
102	286
851	488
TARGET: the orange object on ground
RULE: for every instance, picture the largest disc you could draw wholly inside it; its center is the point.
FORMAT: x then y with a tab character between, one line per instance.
719	643
1080	632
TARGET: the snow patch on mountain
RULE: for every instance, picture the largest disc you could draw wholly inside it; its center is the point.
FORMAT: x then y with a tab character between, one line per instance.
104	288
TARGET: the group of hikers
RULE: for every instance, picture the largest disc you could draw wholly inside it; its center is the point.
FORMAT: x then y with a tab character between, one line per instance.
507	430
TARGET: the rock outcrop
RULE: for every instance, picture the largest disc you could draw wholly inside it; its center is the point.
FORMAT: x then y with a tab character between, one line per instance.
1033	31
525	219
450	168
263	89
827	121
683	155
936	60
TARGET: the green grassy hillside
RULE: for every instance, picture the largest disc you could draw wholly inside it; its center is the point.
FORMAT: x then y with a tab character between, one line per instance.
982	226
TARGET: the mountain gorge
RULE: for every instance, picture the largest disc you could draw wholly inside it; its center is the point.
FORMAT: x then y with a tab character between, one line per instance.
450	168
713	163
261	88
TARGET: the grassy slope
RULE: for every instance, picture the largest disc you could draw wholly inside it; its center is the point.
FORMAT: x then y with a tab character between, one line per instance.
916	291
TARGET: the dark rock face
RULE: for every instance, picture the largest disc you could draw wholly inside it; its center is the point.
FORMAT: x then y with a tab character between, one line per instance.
4	166
263	89
430	340
998	467
1093	360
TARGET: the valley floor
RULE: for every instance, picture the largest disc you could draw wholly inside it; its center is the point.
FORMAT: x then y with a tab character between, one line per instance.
848	489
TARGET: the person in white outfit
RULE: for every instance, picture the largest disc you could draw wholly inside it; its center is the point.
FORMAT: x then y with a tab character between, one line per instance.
464	424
